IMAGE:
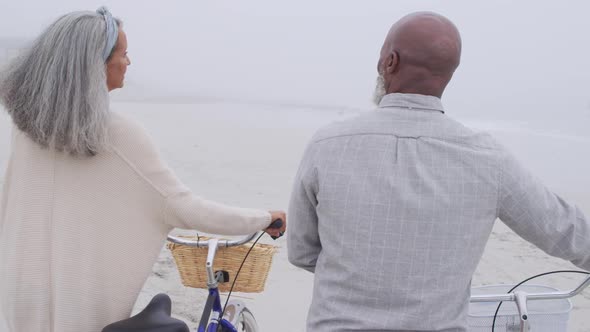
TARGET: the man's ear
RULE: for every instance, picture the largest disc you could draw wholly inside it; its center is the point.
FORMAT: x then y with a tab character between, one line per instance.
392	63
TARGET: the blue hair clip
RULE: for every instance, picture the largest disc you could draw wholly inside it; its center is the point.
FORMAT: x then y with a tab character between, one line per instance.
112	31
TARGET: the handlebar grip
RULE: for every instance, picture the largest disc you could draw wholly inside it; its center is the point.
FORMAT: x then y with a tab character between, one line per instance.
278	223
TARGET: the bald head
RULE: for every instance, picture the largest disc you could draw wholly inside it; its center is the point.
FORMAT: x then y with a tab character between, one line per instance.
420	54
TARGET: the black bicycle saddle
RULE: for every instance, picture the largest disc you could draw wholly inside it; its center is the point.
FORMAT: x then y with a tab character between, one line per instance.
154	318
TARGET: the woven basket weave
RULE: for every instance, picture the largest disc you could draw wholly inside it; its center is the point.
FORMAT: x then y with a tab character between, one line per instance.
252	278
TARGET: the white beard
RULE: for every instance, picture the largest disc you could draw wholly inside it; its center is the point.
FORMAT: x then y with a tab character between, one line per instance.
380	91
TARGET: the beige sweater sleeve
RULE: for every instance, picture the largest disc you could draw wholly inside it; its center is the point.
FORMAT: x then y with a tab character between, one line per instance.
181	207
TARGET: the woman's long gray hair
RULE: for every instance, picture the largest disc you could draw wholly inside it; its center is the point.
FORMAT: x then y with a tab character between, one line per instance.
56	91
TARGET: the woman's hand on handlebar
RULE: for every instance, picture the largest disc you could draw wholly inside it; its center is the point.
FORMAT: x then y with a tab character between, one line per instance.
279	224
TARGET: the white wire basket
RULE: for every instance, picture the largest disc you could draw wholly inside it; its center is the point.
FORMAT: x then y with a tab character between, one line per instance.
544	315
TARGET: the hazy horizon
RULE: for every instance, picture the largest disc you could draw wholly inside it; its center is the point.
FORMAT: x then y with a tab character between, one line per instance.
524	61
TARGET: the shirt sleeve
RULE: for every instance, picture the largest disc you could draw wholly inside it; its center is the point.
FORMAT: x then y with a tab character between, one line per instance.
181	208
303	240
186	210
540	216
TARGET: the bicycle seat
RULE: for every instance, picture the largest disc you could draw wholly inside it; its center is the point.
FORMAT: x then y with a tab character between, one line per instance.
154	318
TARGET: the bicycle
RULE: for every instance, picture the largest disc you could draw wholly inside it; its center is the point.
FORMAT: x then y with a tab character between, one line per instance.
156	316
520	298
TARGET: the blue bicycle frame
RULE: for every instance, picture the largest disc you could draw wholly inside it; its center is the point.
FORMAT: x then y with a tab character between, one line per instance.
213	305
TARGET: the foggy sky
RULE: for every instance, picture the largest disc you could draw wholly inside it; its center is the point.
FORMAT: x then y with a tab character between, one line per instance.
525	62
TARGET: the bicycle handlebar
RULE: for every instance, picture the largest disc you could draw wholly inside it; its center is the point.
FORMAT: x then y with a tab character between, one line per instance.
533	296
205	243
223	243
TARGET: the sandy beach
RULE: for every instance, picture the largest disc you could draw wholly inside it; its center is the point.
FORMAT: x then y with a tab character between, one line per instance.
247	155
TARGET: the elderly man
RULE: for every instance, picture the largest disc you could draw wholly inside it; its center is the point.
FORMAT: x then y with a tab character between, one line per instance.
392	210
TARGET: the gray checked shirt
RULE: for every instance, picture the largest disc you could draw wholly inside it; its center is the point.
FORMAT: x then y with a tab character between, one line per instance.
392	209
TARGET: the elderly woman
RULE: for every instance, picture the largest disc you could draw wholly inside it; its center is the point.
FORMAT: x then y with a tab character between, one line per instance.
87	202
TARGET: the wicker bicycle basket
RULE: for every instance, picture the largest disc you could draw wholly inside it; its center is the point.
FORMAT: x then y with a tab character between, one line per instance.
191	265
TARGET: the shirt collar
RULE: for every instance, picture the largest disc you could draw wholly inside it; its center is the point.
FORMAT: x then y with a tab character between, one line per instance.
412	102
